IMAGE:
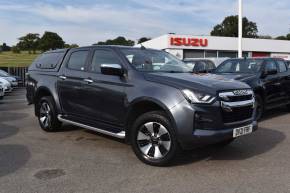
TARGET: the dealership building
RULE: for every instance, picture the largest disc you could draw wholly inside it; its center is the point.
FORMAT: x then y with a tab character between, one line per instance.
189	46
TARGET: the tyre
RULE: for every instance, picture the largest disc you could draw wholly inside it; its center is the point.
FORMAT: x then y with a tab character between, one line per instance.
47	115
153	139
1	97
259	107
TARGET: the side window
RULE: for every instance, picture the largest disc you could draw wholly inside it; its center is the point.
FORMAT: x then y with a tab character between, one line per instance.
77	60
282	66
270	65
103	57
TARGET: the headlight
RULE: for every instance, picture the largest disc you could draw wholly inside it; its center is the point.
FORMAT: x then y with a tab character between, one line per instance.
196	97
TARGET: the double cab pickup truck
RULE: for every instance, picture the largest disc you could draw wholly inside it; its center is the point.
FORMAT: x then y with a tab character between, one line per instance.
268	77
147	97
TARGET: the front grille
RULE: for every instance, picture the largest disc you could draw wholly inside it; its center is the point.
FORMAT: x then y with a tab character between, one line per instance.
240	98
237	105
238	114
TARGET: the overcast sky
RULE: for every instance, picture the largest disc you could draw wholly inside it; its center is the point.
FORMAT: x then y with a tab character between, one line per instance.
88	21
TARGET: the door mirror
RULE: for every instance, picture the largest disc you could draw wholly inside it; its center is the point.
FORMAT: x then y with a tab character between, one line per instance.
112	69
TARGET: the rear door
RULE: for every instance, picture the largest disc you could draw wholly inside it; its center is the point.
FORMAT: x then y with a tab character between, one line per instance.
272	84
284	75
70	80
105	96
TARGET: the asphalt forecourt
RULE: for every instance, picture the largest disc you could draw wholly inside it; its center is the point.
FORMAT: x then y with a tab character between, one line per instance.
78	160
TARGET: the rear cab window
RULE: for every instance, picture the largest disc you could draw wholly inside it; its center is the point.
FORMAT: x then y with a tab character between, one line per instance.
48	61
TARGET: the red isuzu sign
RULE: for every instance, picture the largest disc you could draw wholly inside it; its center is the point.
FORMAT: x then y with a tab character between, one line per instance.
196	42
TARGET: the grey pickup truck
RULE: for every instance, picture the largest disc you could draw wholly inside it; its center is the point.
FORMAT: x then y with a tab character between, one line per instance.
147	97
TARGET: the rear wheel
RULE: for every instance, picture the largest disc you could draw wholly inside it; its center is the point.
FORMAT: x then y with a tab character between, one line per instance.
259	107
47	115
153	139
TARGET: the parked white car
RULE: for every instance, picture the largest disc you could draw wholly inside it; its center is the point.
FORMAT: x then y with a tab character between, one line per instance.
2	92
6	84
8	77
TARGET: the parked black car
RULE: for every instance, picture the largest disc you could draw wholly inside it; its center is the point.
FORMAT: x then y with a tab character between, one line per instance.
268	77
200	65
288	63
147	97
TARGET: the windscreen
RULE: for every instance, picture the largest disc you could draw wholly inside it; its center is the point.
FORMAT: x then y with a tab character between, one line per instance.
154	61
240	66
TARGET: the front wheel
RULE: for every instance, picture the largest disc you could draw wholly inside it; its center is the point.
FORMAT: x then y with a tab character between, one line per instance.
153	139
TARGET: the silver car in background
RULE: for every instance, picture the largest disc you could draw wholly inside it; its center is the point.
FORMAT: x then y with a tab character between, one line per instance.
2	92
13	81
6	84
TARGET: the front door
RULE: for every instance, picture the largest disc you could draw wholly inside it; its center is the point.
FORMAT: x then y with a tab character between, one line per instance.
105	96
272	85
284	74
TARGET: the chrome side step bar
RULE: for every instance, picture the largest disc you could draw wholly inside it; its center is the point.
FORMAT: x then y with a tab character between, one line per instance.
120	135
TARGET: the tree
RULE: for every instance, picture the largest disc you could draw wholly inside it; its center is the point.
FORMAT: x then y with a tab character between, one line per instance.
229	28
117	41
287	37
50	41
71	45
29	42
281	38
143	39
15	50
265	37
4	47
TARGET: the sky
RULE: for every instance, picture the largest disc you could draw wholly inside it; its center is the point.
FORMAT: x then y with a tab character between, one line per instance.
88	21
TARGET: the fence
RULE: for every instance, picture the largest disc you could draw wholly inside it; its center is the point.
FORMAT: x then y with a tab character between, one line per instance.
17	71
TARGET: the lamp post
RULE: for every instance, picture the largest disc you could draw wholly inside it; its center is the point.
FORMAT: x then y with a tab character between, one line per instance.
240	51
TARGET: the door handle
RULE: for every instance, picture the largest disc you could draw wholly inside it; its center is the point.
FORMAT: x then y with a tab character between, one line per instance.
277	84
62	77
88	80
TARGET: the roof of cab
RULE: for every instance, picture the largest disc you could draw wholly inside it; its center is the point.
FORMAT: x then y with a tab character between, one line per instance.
97	46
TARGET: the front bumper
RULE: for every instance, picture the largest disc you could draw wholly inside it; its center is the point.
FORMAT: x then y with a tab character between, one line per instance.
192	135
206	137
8	89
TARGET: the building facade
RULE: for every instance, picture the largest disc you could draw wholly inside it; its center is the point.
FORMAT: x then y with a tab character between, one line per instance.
188	46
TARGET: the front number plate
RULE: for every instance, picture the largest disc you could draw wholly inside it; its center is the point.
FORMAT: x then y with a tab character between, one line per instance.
242	131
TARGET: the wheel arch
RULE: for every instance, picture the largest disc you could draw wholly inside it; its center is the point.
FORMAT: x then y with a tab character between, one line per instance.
143	105
260	91
41	92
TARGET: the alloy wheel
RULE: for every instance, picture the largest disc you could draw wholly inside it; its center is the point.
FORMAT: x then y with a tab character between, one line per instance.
153	140
45	115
